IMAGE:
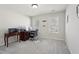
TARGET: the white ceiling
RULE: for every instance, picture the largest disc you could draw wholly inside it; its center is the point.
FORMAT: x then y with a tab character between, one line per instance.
26	9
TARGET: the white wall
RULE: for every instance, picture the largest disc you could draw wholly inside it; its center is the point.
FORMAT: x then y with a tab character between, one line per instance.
60	15
9	19
72	29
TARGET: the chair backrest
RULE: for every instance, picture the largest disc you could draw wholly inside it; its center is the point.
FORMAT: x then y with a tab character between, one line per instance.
34	33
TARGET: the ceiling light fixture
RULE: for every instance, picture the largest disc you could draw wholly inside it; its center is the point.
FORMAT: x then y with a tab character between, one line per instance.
34	5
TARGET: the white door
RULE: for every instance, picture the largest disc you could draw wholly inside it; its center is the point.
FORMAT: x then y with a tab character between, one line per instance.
43	28
48	27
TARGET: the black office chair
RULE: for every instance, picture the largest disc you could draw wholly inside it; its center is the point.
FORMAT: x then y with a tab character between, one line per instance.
33	34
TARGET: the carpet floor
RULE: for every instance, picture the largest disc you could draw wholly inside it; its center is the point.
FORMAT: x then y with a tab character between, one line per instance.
43	46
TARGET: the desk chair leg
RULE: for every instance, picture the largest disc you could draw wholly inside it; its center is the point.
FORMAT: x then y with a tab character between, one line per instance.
5	40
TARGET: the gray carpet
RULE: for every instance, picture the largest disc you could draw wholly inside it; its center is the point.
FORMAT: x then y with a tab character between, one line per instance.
43	46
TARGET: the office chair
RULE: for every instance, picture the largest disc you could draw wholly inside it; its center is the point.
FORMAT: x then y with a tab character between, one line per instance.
33	34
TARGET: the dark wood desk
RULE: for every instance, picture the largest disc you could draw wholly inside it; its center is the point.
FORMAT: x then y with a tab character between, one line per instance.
20	36
7	35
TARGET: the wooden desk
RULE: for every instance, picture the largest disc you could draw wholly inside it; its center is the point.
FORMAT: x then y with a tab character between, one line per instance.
7	35
23	36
